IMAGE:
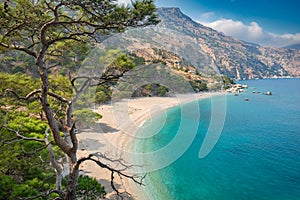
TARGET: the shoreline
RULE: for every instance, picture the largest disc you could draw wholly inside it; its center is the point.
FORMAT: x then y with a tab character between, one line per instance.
116	131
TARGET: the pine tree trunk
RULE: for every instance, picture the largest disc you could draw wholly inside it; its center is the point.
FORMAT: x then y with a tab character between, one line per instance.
73	178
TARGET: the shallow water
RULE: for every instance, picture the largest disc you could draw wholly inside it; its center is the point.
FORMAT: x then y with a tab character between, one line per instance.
256	157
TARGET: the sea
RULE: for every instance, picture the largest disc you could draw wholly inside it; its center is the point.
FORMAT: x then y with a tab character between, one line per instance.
254	152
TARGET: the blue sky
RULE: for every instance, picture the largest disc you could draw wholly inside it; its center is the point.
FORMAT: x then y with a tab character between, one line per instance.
266	22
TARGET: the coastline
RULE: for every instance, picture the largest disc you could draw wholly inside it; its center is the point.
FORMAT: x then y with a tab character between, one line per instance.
114	135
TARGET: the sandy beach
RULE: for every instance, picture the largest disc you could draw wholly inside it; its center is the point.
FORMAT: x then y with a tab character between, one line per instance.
113	136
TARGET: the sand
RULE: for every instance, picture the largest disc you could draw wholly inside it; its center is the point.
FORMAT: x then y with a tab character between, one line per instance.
113	137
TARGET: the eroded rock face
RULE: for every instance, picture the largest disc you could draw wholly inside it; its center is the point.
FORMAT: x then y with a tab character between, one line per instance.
235	58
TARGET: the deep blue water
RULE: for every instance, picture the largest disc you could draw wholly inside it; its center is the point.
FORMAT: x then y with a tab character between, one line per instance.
256	157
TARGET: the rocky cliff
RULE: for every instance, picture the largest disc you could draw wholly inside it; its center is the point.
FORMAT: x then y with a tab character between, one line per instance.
232	57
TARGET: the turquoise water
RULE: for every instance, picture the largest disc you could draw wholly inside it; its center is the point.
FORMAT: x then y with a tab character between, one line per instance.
256	157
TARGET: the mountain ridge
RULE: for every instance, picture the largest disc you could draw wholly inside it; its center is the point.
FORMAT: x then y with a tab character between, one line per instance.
294	46
235	58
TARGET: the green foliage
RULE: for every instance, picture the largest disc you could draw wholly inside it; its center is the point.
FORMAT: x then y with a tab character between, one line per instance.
203	87
101	97
16	62
59	32
71	55
198	86
18	82
89	188
222	82
10	190
22	20
115	61
23	190
152	89
159	61
227	82
61	85
23	85
86	117
6	186
137	60
162	90
24	167
123	95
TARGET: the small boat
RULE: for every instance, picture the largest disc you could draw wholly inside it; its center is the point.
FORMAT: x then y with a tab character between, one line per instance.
246	99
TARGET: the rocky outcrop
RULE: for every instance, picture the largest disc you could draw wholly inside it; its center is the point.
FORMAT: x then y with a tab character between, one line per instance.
232	57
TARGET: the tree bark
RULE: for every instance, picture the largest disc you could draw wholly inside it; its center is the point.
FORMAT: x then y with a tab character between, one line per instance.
54	164
72	182
70	151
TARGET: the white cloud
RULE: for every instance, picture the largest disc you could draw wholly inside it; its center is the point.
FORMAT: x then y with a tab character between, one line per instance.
207	15
252	32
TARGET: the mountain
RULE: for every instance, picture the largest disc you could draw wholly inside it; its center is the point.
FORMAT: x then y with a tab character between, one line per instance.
295	46
208	50
233	57
200	53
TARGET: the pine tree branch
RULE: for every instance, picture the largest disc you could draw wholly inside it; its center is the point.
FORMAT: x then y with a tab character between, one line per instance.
27	97
17	132
54	163
31	94
113	171
19	48
73	138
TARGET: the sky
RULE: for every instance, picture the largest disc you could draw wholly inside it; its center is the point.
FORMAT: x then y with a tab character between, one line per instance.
265	22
